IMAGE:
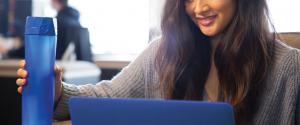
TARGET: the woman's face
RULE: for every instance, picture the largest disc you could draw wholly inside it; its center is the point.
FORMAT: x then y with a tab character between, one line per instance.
211	16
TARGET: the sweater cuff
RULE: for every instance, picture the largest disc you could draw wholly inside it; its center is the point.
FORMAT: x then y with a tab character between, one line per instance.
62	110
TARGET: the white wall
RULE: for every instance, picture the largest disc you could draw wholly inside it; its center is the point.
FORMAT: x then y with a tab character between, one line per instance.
285	15
42	8
156	8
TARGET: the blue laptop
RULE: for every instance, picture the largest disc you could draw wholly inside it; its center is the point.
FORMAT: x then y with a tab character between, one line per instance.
105	111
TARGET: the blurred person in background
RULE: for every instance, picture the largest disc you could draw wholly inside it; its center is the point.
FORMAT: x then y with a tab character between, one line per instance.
67	18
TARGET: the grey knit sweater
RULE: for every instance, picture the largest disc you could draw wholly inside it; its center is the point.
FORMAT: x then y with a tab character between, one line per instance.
279	105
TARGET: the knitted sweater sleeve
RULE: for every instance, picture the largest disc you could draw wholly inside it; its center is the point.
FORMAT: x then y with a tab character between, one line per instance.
129	83
297	80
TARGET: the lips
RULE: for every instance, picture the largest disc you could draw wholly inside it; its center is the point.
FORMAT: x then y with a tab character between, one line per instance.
206	21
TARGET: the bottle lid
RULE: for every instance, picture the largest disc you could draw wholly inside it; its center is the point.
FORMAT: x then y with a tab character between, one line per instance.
41	26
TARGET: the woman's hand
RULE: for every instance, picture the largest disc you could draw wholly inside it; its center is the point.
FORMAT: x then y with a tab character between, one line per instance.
22	73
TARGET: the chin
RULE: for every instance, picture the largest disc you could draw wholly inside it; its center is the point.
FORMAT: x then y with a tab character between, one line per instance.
209	34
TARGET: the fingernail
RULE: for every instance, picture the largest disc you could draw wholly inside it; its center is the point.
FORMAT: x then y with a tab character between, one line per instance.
21	82
24	73
57	67
20	89
18	81
21	63
19	72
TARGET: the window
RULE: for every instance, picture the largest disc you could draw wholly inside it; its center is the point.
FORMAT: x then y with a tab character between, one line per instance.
123	26
285	15
116	26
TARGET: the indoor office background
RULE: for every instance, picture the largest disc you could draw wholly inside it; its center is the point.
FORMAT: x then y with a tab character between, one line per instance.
112	33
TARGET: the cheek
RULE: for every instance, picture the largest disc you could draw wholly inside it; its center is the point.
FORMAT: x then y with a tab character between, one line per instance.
189	10
226	13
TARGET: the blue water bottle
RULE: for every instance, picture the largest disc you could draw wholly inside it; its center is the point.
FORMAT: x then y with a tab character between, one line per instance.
40	50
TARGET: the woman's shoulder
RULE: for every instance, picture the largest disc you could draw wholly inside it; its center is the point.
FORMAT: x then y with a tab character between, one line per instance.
154	44
286	60
150	52
146	58
283	52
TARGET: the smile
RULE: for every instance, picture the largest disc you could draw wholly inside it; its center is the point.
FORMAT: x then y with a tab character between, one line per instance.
206	21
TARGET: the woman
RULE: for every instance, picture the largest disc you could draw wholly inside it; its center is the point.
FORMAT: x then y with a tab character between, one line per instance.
215	50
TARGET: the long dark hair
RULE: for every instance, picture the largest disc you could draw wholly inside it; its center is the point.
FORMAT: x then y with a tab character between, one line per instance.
243	57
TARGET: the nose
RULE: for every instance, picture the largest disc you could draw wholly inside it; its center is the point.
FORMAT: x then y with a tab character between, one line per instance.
201	6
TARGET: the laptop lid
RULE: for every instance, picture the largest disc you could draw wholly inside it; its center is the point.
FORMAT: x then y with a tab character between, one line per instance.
107	111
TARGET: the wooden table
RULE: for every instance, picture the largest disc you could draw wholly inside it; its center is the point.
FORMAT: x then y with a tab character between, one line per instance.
62	123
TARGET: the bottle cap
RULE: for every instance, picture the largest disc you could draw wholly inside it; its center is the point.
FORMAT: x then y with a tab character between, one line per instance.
41	26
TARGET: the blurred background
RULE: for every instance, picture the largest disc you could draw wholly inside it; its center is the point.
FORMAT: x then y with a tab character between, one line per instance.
97	38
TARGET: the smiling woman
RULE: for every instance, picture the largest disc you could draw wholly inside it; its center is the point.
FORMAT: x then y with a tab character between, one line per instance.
220	49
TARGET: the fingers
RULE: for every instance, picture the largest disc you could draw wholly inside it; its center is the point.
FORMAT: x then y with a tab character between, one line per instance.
22	73
22	64
21	82
20	89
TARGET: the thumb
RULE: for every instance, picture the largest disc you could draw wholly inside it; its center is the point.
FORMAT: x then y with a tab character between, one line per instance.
58	73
